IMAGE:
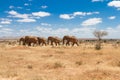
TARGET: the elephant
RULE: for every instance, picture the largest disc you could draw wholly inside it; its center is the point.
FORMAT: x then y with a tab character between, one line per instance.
42	41
55	40
22	41
31	39
71	39
66	39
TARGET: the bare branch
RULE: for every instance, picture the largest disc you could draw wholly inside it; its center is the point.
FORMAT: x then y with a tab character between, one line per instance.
99	34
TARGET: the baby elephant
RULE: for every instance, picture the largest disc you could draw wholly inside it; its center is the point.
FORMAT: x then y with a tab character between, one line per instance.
42	41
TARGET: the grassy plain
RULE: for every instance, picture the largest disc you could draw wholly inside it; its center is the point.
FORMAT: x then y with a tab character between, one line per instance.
59	63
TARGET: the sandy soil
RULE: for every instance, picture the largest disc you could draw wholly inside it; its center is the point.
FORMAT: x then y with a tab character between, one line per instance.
59	63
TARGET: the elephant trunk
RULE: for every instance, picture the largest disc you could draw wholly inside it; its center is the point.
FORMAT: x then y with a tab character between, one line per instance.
63	41
48	41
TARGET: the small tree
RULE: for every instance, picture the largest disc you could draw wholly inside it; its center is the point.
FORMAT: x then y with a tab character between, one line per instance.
99	35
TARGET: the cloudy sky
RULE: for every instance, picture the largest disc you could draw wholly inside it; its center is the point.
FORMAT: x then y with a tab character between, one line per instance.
59	17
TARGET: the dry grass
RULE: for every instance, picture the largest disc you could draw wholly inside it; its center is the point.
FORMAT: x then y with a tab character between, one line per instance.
59	63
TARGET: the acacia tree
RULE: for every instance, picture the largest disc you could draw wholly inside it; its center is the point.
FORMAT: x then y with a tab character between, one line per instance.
99	34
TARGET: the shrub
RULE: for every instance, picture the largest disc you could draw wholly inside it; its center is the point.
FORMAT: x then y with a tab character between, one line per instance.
98	46
29	67
78	62
57	65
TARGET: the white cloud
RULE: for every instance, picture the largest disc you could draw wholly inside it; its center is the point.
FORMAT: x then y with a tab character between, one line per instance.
11	7
41	14
12	12
24	32
26	4
74	14
26	20
6	31
113	32
84	13
80	32
91	22
118	27
79	13
45	24
27	17
34	14
1	26
19	7
60	32
44	30
114	3
66	16
112	17
44	6
91	13
17	15
97	0
5	21
23	17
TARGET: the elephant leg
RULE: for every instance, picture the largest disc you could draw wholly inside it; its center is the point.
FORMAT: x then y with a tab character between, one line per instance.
77	43
45	43
42	43
73	44
29	44
39	43
56	43
48	42
63	42
52	43
68	43
33	44
23	43
20	43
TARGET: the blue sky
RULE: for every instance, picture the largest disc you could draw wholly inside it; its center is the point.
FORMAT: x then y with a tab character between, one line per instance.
58	18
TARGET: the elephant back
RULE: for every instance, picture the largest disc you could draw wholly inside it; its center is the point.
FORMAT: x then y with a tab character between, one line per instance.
22	39
31	39
41	39
66	37
57	39
73	39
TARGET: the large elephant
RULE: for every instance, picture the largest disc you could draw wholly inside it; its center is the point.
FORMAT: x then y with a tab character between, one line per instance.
22	41
42	41
68	39
31	40
53	40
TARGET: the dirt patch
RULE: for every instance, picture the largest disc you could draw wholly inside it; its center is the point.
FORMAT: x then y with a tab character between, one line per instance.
19	48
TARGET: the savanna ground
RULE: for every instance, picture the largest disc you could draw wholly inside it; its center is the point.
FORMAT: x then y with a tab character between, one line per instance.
59	63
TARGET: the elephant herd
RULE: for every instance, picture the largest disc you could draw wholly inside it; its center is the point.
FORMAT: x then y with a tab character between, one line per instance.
33	40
